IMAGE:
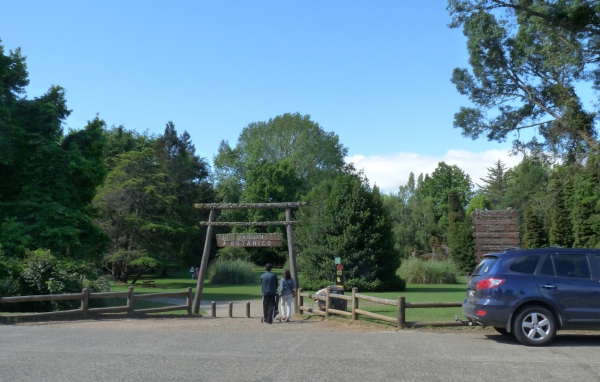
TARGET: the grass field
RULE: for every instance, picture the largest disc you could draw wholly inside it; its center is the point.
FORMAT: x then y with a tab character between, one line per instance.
180	281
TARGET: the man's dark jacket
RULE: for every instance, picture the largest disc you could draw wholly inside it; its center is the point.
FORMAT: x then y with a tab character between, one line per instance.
269	284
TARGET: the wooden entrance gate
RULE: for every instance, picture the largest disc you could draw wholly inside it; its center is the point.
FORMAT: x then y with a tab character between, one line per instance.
213	207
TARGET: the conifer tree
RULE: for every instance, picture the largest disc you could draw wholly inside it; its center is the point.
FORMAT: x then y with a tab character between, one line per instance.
535	236
345	218
460	234
494	186
560	229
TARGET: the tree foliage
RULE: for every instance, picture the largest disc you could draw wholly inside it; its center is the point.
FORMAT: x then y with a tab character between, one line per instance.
313	153
529	60
48	178
345	218
147	203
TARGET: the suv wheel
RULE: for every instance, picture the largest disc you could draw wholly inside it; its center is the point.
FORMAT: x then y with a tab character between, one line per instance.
535	326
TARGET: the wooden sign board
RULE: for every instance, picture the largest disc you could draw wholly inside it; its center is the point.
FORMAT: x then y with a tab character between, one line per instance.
249	240
495	231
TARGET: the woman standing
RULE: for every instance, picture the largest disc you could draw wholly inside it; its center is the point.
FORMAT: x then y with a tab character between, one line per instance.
286	286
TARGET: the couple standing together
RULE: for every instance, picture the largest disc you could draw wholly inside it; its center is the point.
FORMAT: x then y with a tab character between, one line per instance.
269	291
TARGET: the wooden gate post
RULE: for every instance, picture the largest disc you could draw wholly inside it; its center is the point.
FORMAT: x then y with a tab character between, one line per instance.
328	302
189	300
354	304
300	300
292	253
85	295
204	263
130	301
401	312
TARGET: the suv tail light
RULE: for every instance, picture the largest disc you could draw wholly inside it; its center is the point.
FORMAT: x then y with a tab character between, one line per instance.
489	283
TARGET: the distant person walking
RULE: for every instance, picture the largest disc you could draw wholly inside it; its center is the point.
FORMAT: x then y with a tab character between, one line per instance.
197	272
286	288
192	272
269	291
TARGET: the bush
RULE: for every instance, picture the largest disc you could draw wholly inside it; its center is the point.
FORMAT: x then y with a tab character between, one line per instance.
417	271
231	272
40	272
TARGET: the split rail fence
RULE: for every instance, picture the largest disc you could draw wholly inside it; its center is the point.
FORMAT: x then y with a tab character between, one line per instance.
85	296
400	303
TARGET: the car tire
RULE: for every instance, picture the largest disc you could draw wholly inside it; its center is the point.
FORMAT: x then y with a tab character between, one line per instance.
535	326
502	331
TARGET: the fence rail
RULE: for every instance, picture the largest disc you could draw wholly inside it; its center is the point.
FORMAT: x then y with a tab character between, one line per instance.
400	303
85	296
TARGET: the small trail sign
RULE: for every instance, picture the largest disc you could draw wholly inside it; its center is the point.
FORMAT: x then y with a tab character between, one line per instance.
338	260
339	267
249	240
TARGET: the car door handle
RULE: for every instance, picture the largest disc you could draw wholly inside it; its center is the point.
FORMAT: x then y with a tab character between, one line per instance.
549	286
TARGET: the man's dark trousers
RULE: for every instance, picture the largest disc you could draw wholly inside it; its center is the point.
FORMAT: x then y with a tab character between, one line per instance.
268	308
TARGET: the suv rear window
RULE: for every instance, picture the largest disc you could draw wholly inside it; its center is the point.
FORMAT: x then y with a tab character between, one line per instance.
525	264
485	266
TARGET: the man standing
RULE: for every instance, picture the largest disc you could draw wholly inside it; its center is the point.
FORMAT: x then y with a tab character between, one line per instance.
269	290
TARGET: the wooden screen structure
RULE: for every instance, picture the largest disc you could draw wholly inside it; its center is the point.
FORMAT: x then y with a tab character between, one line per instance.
495	231
213	207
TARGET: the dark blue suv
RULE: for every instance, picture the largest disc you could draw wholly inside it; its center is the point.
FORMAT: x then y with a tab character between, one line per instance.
532	293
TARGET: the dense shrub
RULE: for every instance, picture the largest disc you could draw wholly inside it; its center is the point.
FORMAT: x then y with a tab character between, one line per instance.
231	272
41	273
417	271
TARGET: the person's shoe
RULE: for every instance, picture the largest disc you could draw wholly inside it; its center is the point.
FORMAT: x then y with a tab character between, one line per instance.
283	318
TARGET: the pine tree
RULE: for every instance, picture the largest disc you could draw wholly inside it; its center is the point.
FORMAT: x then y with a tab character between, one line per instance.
560	230
495	183
535	236
460	234
346	219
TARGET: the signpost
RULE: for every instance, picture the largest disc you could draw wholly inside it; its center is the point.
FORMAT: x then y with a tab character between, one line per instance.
339	270
494	231
249	240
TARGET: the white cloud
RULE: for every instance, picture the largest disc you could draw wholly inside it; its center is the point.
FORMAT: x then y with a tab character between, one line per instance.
390	171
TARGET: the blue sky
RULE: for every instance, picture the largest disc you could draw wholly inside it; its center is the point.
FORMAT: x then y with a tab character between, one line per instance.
376	73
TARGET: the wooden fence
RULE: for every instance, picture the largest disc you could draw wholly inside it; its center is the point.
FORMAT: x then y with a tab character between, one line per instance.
85	296
400	303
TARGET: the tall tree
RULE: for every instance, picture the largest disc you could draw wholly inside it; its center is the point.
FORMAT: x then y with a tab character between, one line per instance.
48	179
530	60
313	153
270	183
147	205
460	234
346	219
437	186
559	190
494	184
535	235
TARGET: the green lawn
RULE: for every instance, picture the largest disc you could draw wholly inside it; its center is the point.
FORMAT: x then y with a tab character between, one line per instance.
180	281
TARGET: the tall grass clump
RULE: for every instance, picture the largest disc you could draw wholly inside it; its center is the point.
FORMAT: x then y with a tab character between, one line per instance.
236	271
417	271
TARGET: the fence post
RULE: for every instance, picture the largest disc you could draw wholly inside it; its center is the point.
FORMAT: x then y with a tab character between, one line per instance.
401	312
189	301
85	295
130	301
213	309
230	309
354	304
300	300
248	309
327	302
